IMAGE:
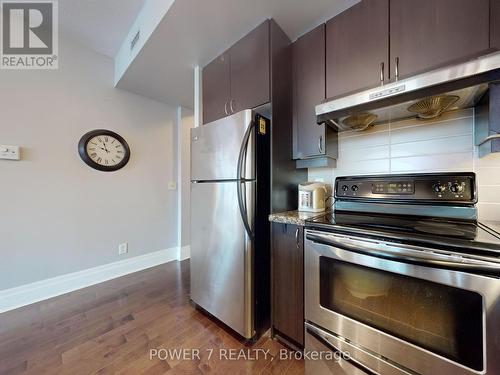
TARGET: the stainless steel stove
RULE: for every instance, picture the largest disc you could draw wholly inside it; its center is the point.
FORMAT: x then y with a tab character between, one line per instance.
402	279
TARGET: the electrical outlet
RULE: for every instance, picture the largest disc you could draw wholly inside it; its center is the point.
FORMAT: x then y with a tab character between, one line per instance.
123	248
9	152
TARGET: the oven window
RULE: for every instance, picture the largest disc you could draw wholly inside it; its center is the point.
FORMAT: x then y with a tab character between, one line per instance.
439	318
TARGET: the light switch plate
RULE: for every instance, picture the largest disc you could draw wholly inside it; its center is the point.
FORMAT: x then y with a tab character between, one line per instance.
172	185
9	152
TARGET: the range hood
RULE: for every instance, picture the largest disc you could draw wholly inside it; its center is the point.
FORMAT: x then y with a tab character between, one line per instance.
425	96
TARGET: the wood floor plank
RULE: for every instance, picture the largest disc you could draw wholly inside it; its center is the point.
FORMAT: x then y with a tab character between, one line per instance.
110	328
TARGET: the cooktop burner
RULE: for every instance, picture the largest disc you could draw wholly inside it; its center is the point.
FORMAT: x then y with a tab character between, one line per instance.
411	229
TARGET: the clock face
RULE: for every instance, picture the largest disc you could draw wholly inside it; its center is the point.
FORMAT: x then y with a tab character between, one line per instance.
104	150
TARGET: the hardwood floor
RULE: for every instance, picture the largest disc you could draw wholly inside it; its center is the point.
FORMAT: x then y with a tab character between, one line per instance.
111	328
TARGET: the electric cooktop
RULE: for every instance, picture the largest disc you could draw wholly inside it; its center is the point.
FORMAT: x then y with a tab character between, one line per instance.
438	232
437	210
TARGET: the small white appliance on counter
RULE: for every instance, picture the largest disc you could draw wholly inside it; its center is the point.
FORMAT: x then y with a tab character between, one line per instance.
312	196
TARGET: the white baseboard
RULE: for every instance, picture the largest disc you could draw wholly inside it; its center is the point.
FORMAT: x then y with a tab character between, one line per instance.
184	253
23	295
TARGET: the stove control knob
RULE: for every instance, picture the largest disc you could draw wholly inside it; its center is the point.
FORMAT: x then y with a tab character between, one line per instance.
345	187
354	187
456	188
439	188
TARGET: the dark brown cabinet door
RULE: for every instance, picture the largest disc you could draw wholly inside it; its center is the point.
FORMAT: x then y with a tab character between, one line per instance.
308	91
357	43
426	34
216	89
250	70
495	24
288	282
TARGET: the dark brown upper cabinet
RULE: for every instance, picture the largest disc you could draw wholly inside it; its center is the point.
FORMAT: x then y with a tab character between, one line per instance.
288	283
427	34
357	48
495	24
238	79
308	91
216	88
250	70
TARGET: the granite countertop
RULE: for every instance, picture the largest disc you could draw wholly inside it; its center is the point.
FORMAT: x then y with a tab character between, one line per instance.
293	217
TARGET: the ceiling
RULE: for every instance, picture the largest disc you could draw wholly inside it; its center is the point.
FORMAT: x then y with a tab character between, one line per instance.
98	24
192	33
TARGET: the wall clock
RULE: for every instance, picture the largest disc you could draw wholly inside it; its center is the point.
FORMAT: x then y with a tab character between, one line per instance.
104	150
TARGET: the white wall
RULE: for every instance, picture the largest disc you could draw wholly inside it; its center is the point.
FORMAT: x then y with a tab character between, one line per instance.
57	214
146	22
414	146
185	123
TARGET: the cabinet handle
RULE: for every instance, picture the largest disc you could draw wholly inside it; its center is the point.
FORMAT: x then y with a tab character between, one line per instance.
231	105
382	75
297	238
396	69
320	144
225	108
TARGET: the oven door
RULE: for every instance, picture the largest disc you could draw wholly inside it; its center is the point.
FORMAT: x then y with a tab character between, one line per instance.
422	311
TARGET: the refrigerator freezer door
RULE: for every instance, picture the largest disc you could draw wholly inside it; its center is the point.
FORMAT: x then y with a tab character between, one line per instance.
215	148
221	253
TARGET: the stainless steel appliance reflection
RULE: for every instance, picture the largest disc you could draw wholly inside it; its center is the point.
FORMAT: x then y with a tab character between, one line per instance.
400	302
229	175
452	87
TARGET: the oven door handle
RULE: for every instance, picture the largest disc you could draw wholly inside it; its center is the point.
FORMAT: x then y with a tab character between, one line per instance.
324	339
407	253
359	357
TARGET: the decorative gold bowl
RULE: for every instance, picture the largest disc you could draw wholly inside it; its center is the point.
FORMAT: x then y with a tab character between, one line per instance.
359	122
433	106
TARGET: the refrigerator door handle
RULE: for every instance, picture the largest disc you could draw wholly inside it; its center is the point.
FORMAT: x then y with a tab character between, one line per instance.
239	175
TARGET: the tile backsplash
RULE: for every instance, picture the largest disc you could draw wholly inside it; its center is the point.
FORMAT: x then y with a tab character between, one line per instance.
416	146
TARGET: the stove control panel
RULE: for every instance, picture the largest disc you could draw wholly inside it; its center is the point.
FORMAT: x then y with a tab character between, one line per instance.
424	188
406	187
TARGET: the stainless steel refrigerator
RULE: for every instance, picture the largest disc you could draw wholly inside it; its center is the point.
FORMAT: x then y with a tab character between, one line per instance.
230	202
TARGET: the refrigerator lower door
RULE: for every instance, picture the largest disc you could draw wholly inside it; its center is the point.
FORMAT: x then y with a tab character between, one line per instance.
222	253
215	148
